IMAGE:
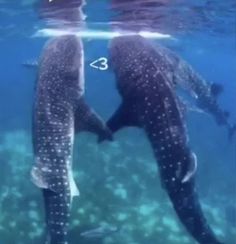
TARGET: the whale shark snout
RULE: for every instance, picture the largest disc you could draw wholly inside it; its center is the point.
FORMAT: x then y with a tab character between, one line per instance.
65	55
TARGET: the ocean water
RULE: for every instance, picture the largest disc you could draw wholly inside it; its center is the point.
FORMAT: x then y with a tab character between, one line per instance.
119	181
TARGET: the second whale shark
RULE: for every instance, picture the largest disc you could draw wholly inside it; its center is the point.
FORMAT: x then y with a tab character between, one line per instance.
150	102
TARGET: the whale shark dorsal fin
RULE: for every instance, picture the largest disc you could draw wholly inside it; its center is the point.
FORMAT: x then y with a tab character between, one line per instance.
87	120
124	116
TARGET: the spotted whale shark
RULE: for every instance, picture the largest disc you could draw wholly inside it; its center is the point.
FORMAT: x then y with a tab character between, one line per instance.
150	102
184	79
59	112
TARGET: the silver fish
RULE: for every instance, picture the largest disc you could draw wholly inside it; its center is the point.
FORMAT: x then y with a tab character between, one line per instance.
100	232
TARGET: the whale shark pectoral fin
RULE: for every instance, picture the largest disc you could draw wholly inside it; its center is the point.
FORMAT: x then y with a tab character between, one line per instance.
124	116
87	120
192	169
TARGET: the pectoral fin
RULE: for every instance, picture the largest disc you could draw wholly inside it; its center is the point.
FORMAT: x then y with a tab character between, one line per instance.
87	120
124	116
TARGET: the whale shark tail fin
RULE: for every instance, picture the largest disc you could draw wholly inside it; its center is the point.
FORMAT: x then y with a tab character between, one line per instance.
87	120
186	204
121	118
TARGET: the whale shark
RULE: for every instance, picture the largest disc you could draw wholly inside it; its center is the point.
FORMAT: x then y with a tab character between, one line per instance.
150	103
186	78
189	85
59	112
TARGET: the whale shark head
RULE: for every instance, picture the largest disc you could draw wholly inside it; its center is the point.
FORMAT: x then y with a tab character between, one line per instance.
62	61
129	56
124	50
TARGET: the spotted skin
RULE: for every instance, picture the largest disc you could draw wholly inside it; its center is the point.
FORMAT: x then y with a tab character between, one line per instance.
59	112
182	76
149	102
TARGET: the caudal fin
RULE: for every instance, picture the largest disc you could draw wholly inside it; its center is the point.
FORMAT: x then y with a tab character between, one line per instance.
86	119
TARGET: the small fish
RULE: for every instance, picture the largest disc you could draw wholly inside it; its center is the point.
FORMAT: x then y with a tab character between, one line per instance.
60	112
100	232
31	63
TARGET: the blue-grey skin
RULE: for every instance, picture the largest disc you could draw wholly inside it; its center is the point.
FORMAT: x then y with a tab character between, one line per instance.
59	112
149	101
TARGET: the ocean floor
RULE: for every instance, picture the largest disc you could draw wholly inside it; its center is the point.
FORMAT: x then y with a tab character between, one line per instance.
119	186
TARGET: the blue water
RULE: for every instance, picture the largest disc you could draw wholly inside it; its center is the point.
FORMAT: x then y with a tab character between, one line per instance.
119	181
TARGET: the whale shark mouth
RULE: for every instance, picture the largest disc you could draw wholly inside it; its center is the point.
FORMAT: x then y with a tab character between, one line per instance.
97	34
